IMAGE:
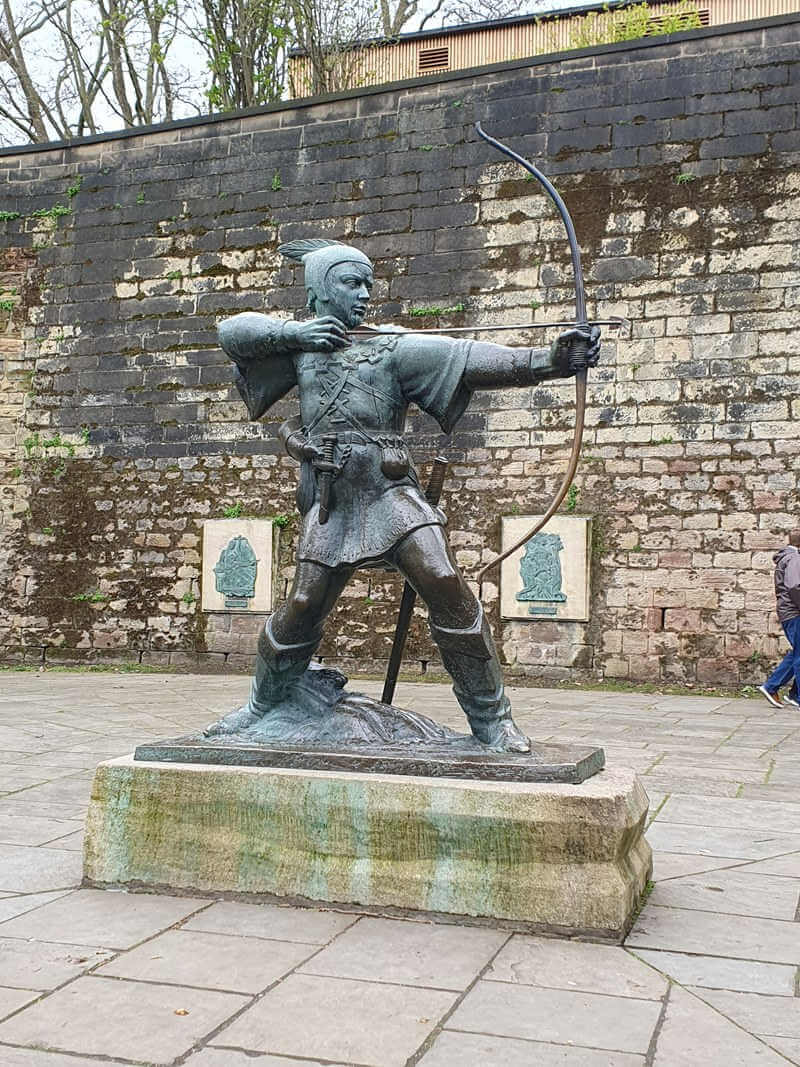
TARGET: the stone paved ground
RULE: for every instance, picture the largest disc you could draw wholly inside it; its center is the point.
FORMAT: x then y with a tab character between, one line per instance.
709	974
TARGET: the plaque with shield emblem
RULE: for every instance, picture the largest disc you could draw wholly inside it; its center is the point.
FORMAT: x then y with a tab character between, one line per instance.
238	559
547	578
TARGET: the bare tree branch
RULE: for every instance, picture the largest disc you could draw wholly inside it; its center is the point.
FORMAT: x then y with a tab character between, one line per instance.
432	14
74	66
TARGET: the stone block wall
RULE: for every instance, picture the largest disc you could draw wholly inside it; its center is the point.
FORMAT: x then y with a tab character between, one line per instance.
121	431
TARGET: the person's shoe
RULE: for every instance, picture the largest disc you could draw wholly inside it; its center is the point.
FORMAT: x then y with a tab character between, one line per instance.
791	700
771	698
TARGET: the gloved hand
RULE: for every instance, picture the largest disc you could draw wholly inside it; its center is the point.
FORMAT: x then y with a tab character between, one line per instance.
317	335
566	349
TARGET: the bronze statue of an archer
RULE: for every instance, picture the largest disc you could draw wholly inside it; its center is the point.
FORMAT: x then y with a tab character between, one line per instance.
359	494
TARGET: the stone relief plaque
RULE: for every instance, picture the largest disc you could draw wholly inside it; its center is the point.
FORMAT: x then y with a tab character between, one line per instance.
548	578
237	565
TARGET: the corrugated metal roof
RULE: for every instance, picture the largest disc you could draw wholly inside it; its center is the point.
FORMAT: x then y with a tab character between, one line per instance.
481	43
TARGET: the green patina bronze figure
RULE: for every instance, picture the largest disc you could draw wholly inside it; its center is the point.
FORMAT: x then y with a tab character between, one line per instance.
235	572
359	495
540	570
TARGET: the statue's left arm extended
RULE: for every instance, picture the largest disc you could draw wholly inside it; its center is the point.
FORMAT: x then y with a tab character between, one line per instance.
491	366
440	374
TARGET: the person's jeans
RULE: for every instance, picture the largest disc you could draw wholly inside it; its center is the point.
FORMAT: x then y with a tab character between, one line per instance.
790	664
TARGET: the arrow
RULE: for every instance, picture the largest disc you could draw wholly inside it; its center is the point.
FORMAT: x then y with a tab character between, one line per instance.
372	331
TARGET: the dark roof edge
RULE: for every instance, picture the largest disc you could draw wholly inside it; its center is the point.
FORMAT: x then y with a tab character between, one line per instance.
409	83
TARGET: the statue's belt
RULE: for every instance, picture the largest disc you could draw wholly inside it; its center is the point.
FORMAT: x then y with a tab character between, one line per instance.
357	437
395	460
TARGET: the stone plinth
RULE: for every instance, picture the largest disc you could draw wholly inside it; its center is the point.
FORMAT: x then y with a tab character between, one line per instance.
568	859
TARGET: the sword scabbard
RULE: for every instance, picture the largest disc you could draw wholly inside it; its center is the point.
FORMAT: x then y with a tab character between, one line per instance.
326	477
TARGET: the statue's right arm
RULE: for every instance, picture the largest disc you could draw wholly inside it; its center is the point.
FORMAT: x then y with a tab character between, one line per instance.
252	336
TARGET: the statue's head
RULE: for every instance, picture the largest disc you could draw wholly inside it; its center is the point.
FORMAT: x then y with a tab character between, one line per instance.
338	278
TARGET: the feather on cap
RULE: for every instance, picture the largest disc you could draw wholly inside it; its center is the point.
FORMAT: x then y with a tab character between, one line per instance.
297	250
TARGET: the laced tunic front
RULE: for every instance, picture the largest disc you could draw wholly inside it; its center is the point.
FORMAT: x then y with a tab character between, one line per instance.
362	394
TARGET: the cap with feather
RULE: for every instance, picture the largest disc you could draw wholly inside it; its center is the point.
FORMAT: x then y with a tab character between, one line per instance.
318	256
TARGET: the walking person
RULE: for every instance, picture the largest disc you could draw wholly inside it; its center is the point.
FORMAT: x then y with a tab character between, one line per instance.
787	594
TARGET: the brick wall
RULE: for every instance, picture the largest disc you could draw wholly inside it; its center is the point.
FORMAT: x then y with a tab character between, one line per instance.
679	162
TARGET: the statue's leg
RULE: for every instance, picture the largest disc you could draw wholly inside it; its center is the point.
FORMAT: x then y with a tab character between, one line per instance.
287	642
459	628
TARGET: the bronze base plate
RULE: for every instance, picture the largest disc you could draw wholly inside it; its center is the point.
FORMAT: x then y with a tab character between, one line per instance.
546	763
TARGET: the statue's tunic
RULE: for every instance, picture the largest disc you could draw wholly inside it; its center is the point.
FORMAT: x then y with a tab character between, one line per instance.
360	393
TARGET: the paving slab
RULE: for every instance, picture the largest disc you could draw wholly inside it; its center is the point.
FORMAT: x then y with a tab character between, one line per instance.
471	1050
23	1057
133	1020
732	772
24	869
20	744
18	776
691	1029
60	763
409	953
314	1017
720	842
734	813
618	1024
669	783
788	1046
213	1057
101	919
66	792
12	804
26	829
576	966
310	926
44	965
668	865
785	774
713	972
787	866
759	1014
736	891
702	932
19	903
12	1000
212	961
771	791
72	841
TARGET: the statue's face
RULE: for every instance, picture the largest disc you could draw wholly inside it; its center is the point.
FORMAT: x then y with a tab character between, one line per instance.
347	290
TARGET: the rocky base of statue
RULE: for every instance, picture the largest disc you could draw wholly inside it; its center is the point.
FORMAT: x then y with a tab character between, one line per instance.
321	726
318	710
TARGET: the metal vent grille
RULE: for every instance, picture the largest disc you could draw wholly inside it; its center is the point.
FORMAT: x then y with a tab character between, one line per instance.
657	21
434	59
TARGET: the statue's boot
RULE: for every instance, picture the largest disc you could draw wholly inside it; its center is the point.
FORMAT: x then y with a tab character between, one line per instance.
278	666
470	658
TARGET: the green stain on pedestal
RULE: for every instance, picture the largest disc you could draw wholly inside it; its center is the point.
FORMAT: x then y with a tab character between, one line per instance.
561	857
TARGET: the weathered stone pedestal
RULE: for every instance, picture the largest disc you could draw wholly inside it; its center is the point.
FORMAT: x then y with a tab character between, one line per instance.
561	858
